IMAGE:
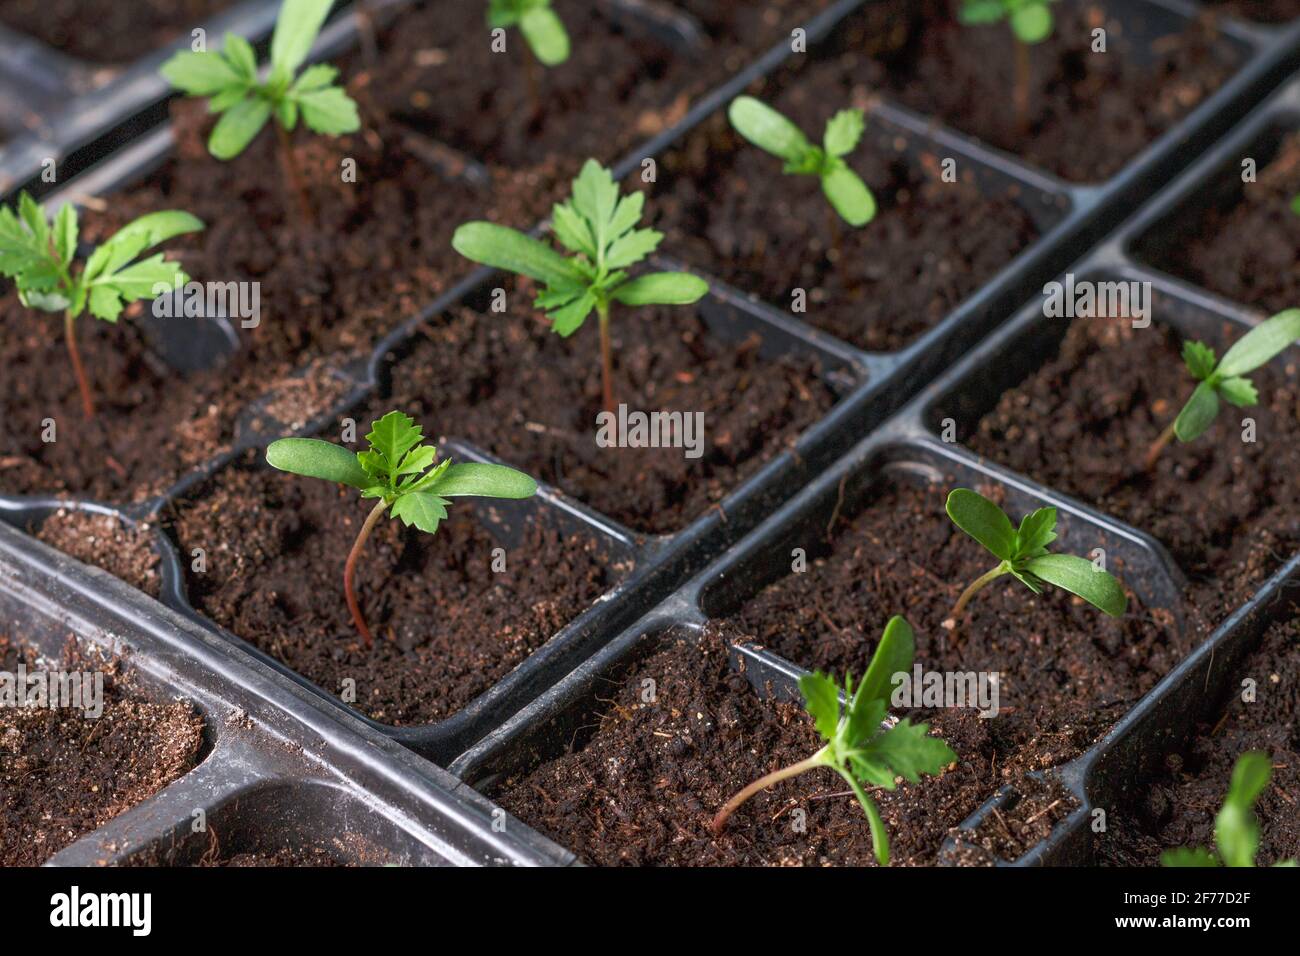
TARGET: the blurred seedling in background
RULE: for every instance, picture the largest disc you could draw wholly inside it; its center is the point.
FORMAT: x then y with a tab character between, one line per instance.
1224	378
1022	553
773	133
403	474
599	229
1031	22
41	259
857	745
543	32
229	80
1236	828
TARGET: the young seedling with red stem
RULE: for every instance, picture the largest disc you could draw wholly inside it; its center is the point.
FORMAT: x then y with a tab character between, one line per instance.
41	260
858	746
599	228
229	79
543	32
403	474
1031	23
1225	378
1022	553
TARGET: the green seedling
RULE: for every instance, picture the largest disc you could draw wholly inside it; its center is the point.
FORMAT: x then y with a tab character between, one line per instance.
1022	553
403	474
229	80
1224	378
41	260
858	747
1031	22
1236	829
770	131
599	228
542	30
1295	205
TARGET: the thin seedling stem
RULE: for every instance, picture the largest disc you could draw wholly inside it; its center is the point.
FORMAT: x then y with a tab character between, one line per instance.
606	359
1023	75
975	587
762	783
1159	445
349	571
70	333
290	163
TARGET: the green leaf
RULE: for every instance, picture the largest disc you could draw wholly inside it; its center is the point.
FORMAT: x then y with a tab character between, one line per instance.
662	288
296	29
1260	344
65	233
843	132
982	520
1198	414
893	655
393	436
1188	856
546	35
314	458
424	511
595	197
1081	577
569	318
482	480
1200	359
509	249
821	699
329	111
202	74
767	129
1236	830
238	126
982	11
849	196
909	751
632	248
1037	531
1238	391
1032	24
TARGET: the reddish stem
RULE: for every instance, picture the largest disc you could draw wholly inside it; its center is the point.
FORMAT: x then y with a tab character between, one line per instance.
70	333
290	163
349	570
1159	445
1023	75
606	359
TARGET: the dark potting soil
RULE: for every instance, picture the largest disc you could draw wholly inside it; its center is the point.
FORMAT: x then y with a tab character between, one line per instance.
618	88
643	788
1265	11
62	774
1008	833
1245	246
1228	510
726	207
446	626
107	31
1179	808
292	856
105	542
1117	102
510	385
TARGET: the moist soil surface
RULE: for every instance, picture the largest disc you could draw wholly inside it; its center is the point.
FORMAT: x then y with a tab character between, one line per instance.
644	788
726	207
62	775
1265	11
107	31
1246	246
446	627
1226	509
918	52
511	386
618	88
106	542
1178	809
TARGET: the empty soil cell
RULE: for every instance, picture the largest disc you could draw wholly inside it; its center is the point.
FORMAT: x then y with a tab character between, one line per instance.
1264	11
1118	102
105	541
1178	808
1246	244
107	31
447	627
510	385
63	774
619	87
726	207
1083	422
642	784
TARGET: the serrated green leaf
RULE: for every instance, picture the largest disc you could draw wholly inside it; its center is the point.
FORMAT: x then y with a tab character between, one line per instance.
66	232
822	700
393	436
982	520
1199	358
202	74
241	57
1037	530
329	111
569	318
1081	577
318	76
632	248
572	231
296	29
314	458
417	460
421	510
1238	391
909	751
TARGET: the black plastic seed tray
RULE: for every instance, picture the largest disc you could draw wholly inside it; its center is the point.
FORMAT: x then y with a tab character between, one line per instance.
872	386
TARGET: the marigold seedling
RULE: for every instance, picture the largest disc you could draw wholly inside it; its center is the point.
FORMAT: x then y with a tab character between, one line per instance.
40	259
1022	553
1031	22
1224	378
246	104
600	230
540	25
1236	829
403	474
858	747
770	131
